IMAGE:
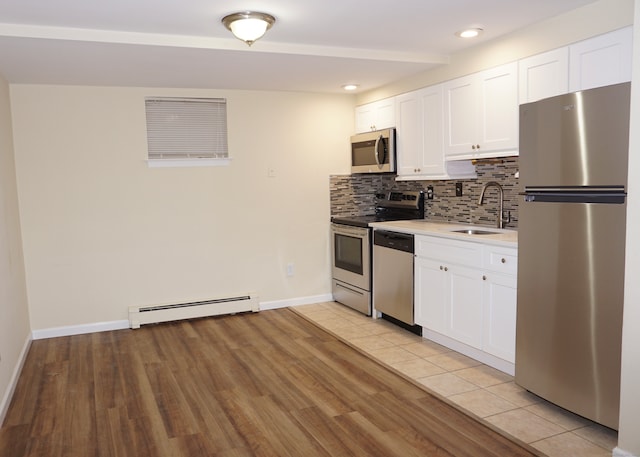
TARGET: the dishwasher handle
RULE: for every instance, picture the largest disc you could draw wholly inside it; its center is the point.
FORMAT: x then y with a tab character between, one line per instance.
394	240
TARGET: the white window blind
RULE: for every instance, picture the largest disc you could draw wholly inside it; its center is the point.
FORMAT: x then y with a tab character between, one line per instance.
186	128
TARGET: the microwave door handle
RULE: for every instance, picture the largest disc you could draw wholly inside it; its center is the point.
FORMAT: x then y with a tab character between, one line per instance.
377	151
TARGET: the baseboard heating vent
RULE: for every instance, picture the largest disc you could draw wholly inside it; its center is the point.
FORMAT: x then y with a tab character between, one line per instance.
140	315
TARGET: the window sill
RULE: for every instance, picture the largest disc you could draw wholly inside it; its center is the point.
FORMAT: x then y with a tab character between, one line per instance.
176	163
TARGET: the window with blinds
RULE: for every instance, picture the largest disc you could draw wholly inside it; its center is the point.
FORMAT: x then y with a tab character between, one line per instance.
183	131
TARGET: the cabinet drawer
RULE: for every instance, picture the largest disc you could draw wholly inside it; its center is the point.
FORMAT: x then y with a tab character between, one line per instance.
501	259
449	251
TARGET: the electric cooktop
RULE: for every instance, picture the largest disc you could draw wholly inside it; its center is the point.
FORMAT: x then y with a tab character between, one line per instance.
391	206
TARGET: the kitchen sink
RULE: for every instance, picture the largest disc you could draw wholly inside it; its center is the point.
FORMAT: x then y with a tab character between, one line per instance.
475	232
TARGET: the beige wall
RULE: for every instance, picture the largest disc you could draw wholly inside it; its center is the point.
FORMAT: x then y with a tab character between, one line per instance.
593	19
14	315
102	231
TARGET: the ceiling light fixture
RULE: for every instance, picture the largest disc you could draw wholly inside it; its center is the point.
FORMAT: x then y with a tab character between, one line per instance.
469	33
350	86
248	26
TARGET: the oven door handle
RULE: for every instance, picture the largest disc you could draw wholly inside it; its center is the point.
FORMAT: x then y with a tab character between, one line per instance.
350	231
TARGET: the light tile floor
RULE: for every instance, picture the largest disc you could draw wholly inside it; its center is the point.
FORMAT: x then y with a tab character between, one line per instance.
489	394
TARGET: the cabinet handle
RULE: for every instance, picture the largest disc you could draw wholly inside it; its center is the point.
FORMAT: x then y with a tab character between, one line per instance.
473	146
441	267
503	260
484	277
477	146
446	269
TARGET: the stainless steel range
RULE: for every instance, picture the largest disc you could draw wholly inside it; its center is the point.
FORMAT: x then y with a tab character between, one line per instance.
351	245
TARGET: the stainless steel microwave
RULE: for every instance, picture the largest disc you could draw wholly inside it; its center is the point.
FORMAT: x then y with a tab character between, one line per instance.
374	152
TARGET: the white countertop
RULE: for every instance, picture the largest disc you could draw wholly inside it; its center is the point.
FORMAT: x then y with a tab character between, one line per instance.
502	237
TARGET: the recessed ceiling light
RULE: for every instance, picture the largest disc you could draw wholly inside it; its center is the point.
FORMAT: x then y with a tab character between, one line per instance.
469	33
350	86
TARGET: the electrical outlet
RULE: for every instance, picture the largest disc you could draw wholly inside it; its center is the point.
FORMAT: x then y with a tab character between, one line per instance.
289	269
458	189
429	192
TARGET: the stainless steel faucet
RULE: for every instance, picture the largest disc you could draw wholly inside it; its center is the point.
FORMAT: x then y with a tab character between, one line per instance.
501	220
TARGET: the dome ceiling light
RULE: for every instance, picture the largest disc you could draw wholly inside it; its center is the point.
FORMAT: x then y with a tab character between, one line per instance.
248	26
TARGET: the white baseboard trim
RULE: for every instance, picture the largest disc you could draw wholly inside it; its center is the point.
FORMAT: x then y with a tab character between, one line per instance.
13	382
79	329
295	302
617	452
124	324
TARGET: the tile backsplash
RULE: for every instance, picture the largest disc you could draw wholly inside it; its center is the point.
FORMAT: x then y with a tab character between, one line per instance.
354	194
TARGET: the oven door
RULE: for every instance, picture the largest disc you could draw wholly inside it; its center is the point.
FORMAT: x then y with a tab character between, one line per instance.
351	255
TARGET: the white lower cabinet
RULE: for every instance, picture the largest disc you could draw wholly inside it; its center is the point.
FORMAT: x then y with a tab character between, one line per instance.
465	310
465	297
499	315
430	288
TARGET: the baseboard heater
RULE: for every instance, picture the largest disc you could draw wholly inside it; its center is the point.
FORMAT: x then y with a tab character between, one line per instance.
140	315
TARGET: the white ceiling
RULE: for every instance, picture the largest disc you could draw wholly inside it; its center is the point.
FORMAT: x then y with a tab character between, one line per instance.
314	46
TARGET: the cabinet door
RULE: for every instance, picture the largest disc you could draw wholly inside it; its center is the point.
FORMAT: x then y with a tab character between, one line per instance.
385	116
365	118
498	110
461	115
481	114
601	61
419	139
543	75
465	304
376	115
499	325
432	162
430	295
409	138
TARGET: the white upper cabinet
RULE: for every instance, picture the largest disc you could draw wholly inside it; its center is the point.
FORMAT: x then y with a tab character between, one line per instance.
419	119
601	61
595	62
440	128
419	139
376	115
481	114
419	132
543	75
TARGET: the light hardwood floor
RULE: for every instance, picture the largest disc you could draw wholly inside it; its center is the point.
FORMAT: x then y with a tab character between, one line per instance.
483	392
265	384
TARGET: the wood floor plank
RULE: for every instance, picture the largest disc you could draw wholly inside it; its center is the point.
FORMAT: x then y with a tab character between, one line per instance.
258	384
23	405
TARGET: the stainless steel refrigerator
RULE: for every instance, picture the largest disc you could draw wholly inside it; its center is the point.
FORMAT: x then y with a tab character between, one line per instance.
571	247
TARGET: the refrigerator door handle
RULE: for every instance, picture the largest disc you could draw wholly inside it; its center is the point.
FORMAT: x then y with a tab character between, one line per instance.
580	194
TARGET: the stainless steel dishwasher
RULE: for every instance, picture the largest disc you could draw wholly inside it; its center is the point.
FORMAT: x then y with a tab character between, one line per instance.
393	277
